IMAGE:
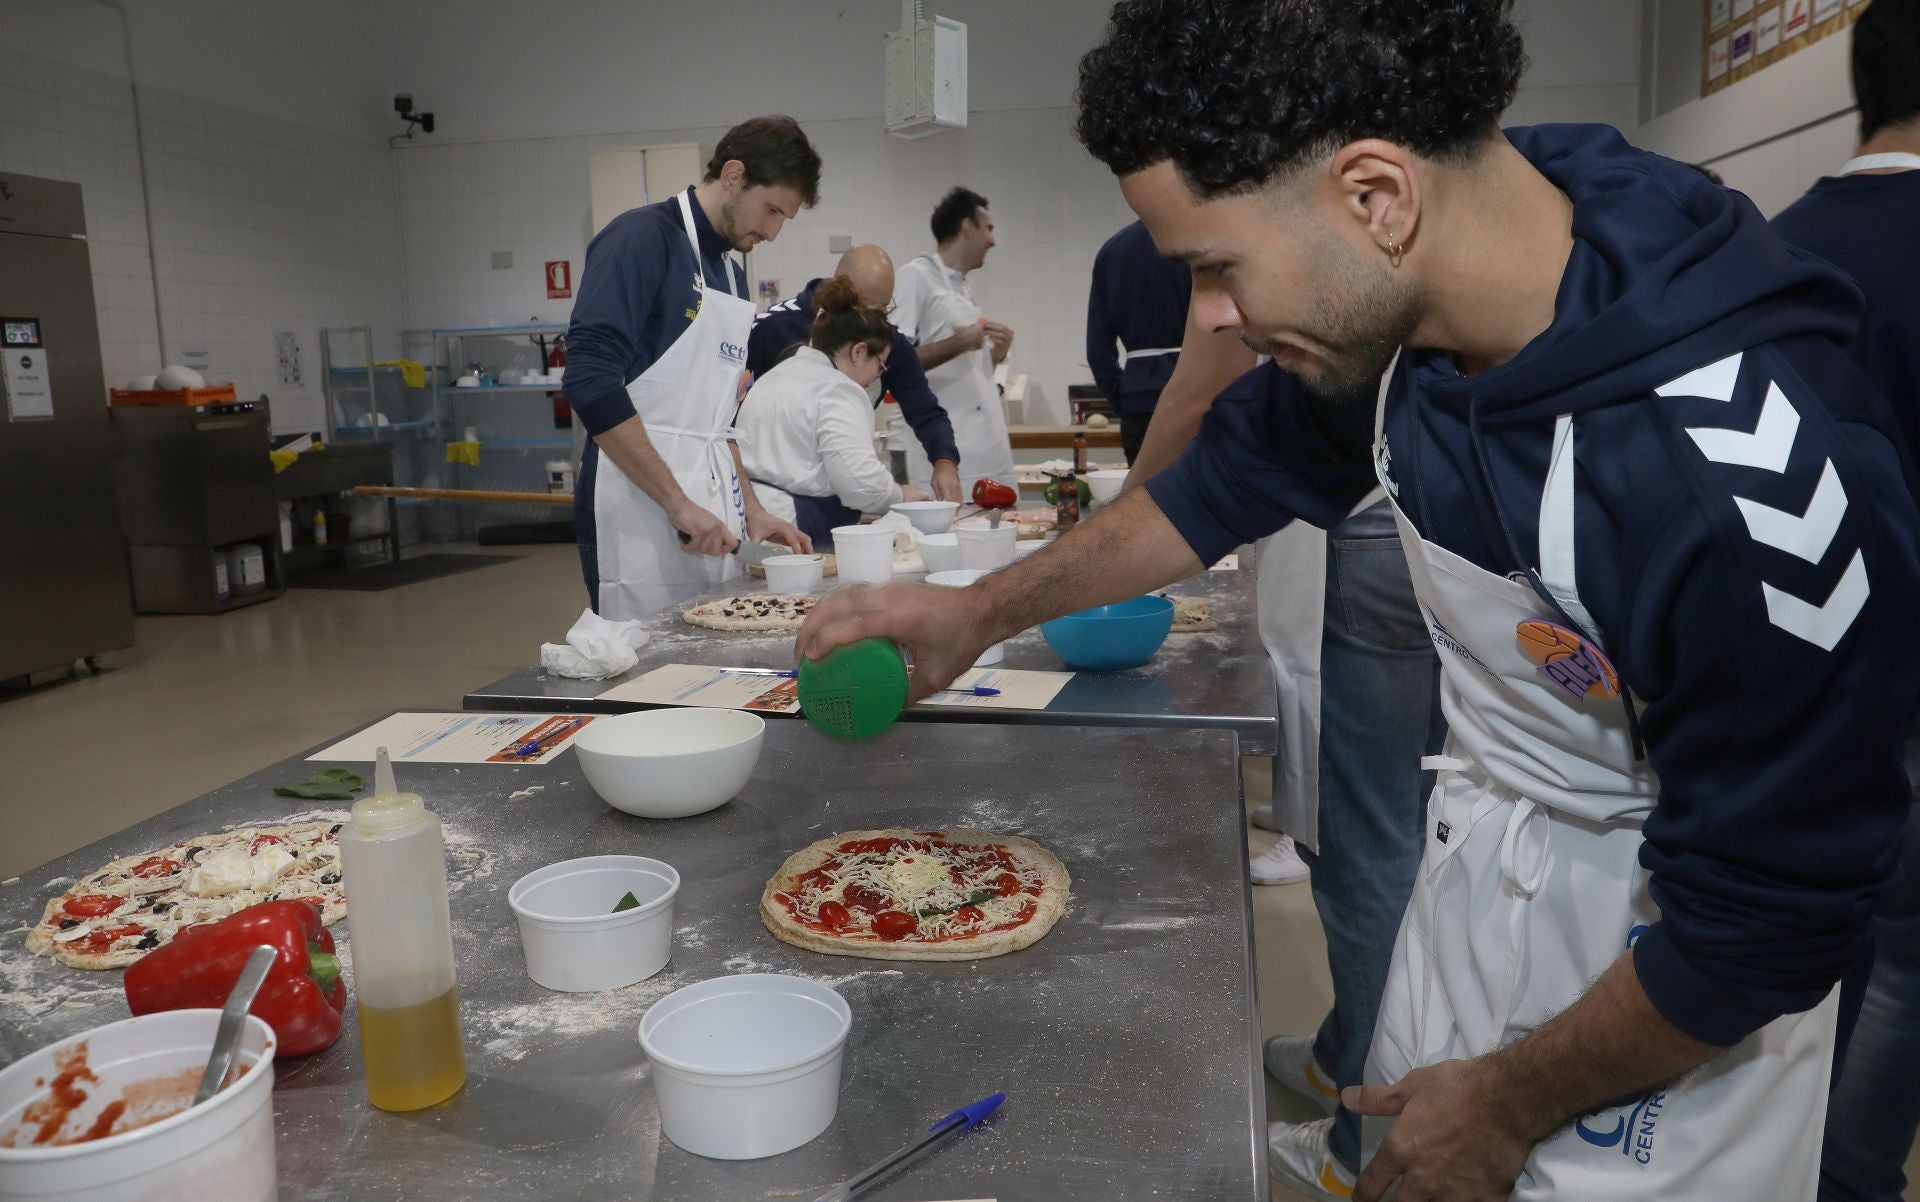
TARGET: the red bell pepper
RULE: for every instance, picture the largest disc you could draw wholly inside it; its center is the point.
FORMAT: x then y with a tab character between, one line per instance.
991	494
303	994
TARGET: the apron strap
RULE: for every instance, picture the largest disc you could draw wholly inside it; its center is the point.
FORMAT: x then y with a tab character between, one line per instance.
1127	357
693	240
1556	526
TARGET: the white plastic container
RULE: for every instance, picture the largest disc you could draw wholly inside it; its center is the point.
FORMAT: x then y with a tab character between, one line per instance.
1105	484
961	579
228	1139
1027	546
986	547
940	552
393	864
866	553
747	1066
795	573
573	940
560	476
670	763
246	569
928	517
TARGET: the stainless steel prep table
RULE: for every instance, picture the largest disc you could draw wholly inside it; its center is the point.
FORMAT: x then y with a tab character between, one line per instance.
1126	1040
1219	680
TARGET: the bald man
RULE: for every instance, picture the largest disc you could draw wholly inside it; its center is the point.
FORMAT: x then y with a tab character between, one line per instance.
785	326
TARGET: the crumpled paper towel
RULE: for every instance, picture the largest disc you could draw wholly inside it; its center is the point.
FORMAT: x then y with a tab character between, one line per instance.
595	648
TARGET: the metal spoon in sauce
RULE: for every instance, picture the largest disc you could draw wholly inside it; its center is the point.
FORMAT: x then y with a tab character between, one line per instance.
226	1040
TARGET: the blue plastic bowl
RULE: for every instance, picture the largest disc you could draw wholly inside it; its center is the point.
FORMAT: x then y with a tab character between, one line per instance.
1109	638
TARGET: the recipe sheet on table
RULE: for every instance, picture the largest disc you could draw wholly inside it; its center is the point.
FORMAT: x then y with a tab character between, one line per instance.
709	688
462	738
1018	690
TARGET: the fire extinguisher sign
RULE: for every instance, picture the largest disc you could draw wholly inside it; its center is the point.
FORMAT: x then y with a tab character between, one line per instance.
559	279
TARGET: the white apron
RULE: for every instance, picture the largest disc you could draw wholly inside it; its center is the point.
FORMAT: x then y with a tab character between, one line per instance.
964	385
686	399
1530	887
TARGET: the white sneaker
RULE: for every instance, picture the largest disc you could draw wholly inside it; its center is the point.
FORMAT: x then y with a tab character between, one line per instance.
1298	1158
1290	1062
1278	865
1265	819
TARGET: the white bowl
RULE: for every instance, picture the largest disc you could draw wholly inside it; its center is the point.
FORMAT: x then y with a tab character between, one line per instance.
228	1139
961	579
173	376
1106	483
746	1066
670	763
940	552
929	517
794	573
573	940
1027	546
143	383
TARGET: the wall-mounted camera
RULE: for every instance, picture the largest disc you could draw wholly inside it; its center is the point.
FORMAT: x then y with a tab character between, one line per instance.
403	105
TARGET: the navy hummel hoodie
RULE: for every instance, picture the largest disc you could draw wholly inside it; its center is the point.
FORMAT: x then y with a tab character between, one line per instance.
1746	547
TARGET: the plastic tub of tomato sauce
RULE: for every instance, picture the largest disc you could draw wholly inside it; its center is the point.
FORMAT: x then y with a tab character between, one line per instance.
106	1116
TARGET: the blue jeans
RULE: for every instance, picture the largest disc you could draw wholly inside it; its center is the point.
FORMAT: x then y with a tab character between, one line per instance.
1875	1106
1379	713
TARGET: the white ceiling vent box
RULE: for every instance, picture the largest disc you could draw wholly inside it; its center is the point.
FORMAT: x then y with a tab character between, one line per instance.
926	74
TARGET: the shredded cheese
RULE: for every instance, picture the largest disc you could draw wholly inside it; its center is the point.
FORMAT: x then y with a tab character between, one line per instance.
916	877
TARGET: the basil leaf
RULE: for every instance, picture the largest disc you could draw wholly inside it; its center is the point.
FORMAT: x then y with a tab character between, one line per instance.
629	902
979	895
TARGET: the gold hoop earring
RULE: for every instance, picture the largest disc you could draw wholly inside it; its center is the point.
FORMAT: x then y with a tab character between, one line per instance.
1394	252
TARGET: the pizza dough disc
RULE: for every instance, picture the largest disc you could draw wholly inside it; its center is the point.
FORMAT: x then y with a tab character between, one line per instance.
751	611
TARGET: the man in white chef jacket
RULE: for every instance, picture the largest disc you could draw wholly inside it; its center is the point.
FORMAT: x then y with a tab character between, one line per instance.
655	351
934	307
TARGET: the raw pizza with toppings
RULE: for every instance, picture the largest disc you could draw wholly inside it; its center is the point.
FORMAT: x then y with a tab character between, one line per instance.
916	895
752	611
117	914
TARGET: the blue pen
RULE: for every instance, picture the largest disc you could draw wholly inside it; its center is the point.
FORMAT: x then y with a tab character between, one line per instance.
976	691
536	746
964	1119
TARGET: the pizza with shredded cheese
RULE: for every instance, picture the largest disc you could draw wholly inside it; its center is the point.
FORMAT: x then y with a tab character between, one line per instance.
916	895
117	914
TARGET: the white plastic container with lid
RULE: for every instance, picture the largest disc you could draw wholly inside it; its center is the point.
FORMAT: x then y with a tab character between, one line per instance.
560	476
393	866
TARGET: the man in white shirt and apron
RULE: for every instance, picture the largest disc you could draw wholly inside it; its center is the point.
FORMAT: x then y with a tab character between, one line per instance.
933	306
656	348
1662	538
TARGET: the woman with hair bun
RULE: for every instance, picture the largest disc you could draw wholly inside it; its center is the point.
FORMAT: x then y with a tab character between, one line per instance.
806	427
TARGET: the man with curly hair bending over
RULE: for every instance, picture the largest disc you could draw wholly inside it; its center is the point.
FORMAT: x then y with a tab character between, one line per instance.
1657	526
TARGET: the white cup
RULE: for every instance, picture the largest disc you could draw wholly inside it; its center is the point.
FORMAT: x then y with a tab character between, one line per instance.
866	553
795	573
961	579
987	547
573	940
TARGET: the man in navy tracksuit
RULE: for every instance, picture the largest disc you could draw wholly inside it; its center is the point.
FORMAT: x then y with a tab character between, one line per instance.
1662	536
1136	319
786	325
1862	220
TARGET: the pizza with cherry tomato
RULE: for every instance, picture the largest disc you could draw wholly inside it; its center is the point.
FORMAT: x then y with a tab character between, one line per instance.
916	895
117	914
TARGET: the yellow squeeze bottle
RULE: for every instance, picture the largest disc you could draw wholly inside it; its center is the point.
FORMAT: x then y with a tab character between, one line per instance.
393	866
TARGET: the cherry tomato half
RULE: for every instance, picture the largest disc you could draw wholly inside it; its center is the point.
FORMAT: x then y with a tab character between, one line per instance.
99	941
834	914
92	905
1006	884
156	866
969	915
894	924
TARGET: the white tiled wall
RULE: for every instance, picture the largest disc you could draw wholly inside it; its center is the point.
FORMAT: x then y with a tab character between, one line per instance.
1052	204
259	226
65	123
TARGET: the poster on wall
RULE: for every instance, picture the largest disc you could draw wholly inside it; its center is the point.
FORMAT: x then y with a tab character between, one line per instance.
1745	36
1742	45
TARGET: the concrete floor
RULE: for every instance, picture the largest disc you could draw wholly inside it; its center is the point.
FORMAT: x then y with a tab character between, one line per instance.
199	701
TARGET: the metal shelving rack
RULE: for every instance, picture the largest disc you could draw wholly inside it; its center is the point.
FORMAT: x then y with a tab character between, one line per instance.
367	404
499	416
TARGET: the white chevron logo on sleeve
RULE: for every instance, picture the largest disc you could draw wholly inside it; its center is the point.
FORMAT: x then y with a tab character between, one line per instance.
1807	535
1822	625
1770	444
1714	381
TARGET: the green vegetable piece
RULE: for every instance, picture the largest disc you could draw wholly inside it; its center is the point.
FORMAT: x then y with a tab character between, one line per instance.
629	902
979	895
